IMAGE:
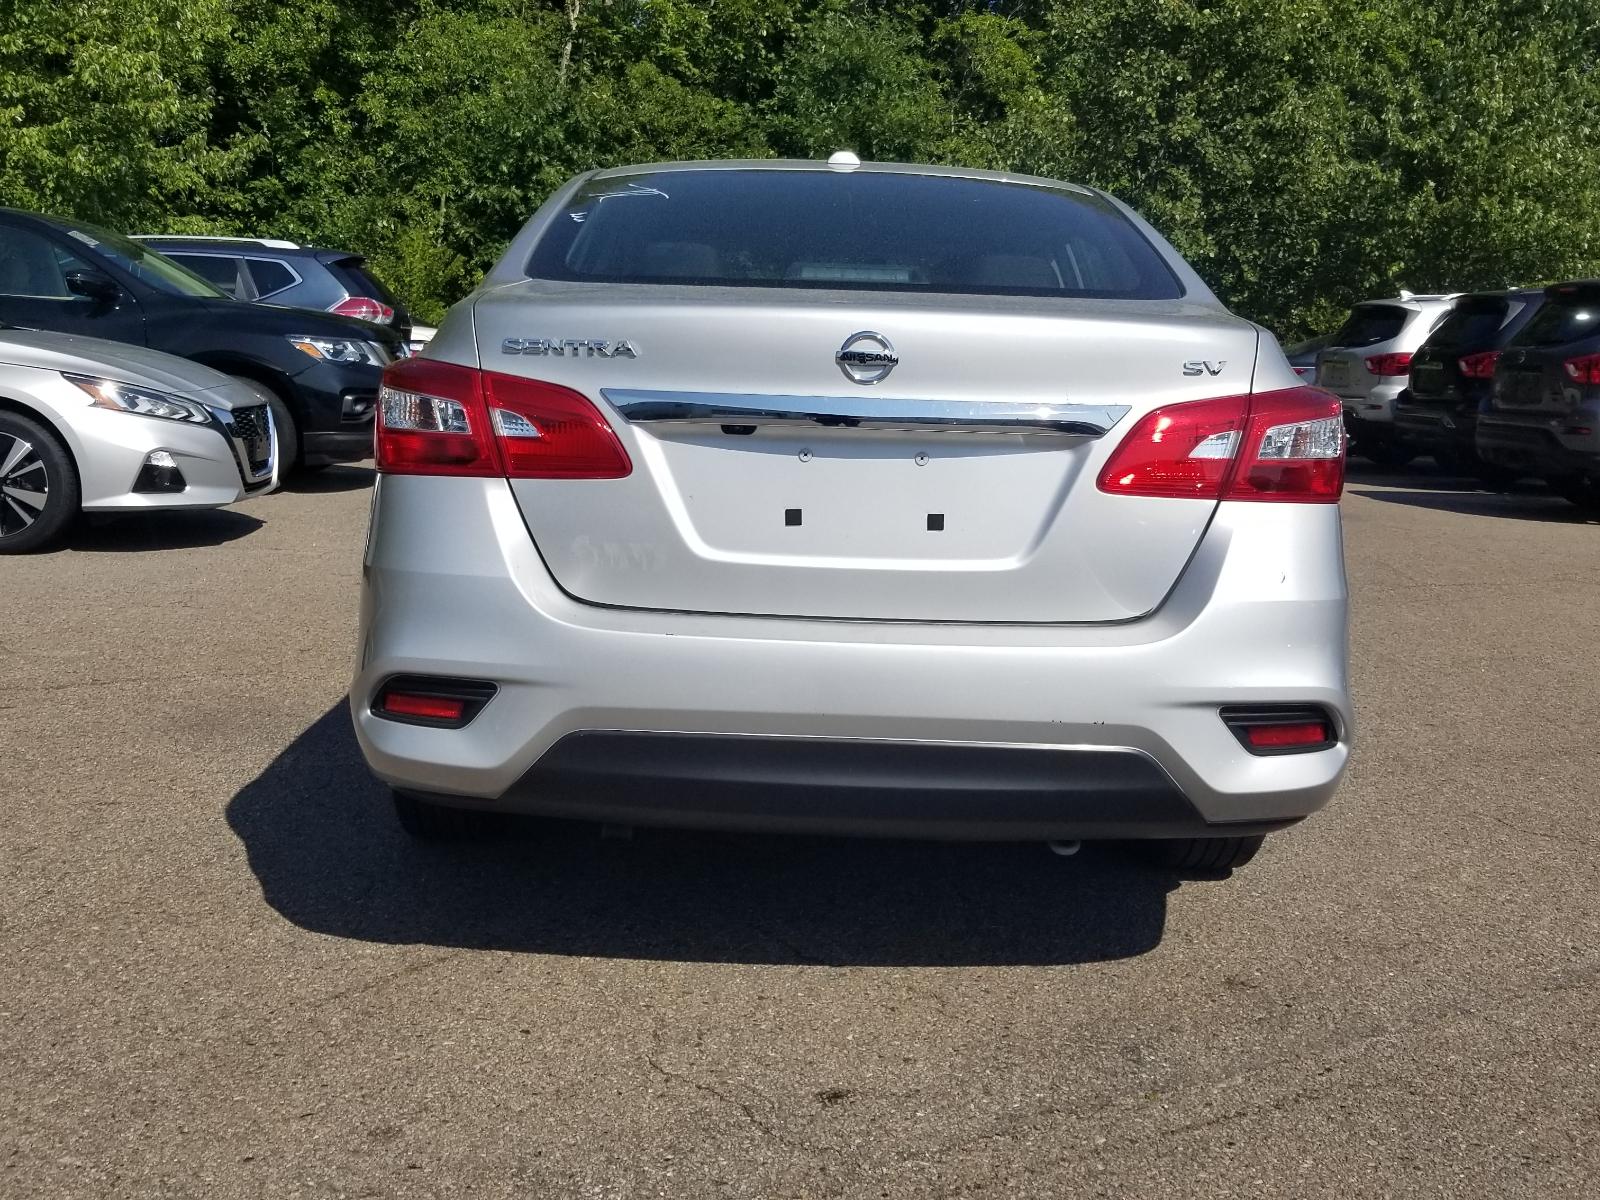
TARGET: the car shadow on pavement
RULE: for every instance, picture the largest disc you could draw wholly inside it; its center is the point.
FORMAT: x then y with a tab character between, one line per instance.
1518	505
329	857
342	477
141	532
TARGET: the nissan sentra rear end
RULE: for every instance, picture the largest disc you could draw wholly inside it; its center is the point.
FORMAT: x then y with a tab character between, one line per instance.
887	500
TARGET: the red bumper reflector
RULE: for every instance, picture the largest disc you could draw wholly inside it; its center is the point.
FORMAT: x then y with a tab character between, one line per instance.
1271	737
431	708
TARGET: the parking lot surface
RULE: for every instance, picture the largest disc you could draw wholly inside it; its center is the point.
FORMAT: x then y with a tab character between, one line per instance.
226	973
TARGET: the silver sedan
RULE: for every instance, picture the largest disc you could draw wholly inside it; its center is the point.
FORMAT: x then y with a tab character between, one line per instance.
872	499
98	426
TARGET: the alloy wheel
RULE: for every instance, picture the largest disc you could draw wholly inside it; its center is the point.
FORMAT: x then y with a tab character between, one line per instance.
24	484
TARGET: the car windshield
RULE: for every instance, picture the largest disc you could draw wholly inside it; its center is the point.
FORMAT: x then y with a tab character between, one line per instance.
157	270
1369	324
863	231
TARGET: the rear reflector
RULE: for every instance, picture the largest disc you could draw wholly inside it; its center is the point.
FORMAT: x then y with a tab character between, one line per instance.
1389	364
1285	446
1583	370
434	708
1280	728
428	700
1479	365
1269	737
438	418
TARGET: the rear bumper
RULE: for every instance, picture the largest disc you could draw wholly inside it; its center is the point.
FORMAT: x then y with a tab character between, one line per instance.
1540	447
1375	407
865	788
1446	426
914	728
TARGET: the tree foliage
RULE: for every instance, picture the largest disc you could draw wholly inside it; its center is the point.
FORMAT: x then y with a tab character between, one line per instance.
1302	153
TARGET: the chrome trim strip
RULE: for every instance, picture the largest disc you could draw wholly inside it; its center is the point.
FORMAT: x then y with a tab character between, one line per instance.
864	412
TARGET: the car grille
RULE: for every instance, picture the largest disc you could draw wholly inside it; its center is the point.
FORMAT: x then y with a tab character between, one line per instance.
252	437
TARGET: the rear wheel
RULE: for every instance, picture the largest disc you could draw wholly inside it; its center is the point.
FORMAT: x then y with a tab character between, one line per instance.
39	490
429	822
1582	490
1203	854
1384	451
283	421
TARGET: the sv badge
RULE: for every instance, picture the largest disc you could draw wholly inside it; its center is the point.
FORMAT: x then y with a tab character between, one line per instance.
1204	366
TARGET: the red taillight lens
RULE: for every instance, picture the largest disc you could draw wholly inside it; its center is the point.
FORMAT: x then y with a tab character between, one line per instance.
364	307
551	432
429	708
438	418
1285	445
1583	370
1275	737
1389	364
1479	365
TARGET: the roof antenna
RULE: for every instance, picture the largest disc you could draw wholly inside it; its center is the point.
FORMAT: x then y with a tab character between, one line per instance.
844	160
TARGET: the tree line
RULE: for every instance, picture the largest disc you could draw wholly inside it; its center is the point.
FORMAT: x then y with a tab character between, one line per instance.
1301	153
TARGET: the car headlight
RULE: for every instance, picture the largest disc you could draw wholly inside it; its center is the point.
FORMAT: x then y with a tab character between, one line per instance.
146	402
341	350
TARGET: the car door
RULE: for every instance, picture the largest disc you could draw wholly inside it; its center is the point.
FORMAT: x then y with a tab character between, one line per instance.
34	267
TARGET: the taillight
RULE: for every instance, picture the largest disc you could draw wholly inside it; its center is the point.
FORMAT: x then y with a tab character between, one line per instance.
438	418
364	307
1479	365
1285	445
1389	364
1583	370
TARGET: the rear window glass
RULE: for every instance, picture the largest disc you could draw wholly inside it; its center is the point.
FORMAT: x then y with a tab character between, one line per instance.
1473	324
271	276
1369	324
358	281
865	231
1560	321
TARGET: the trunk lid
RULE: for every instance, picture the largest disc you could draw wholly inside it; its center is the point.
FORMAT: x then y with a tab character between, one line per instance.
961	486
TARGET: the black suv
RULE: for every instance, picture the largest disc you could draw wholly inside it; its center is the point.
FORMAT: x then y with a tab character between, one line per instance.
1452	375
320	372
274	271
1543	418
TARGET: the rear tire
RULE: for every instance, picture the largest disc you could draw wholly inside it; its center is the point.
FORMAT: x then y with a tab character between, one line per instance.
425	821
40	494
283	421
1582	491
1385	452
1203	854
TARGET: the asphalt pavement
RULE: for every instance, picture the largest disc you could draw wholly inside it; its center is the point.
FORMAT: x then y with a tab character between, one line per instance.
224	972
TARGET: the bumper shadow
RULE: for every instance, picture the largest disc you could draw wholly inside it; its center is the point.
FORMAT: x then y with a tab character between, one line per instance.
322	842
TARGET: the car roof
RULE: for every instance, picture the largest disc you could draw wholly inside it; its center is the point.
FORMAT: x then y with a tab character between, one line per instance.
280	246
821	166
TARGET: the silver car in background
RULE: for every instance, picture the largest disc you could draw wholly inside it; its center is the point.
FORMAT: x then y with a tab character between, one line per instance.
1367	364
846	498
88	425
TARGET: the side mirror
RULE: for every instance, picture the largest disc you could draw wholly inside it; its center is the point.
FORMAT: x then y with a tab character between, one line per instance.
93	285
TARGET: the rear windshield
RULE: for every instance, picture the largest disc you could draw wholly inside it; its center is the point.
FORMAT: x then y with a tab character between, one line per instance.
354	277
868	231
1470	324
1369	324
1562	320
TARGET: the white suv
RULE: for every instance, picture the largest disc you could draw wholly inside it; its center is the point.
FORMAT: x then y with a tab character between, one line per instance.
1368	364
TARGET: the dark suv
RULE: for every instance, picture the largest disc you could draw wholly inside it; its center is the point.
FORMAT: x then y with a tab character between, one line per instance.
320	372
1543	418
1452	375
274	271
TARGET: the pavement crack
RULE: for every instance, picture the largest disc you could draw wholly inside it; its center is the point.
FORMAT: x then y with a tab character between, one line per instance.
750	1115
